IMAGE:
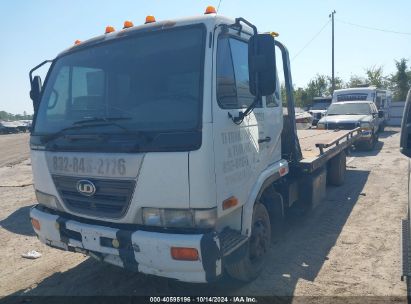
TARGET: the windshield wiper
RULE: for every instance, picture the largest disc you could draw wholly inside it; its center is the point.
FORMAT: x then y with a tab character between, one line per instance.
101	119
92	122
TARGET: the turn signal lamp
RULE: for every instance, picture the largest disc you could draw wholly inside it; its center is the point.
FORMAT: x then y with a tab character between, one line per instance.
184	254
150	19
109	29
77	42
128	24
210	10
230	202
274	34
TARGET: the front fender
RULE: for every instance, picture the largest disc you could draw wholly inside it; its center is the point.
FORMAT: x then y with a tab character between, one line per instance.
266	178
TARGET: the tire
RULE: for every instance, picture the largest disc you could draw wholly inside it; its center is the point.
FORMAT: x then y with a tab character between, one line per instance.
250	266
370	145
336	169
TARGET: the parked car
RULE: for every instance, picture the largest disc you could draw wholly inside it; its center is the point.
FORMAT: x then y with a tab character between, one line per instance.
23	125
8	127
319	108
348	115
303	118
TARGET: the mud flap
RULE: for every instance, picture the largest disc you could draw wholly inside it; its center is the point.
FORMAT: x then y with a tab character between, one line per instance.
125	250
211	254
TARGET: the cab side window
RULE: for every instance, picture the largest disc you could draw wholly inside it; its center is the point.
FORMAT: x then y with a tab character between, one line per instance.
233	91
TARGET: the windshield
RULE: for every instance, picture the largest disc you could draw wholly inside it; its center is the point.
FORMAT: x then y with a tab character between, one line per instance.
149	82
320	106
349	109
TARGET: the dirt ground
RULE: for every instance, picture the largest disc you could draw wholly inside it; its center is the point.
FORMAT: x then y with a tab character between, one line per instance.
348	246
14	148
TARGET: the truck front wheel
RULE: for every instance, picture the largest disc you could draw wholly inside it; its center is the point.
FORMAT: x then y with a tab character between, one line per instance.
251	264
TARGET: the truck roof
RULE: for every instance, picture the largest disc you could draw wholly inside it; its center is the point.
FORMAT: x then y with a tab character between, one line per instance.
359	89
353	101
209	20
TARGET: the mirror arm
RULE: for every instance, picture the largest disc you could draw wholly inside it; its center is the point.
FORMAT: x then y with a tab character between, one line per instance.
37	67
296	154
241	19
239	119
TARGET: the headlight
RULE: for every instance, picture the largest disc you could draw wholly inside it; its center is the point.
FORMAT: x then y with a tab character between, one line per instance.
365	125
183	218
320	125
47	200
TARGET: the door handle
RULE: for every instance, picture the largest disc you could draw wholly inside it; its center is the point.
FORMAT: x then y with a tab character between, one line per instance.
267	139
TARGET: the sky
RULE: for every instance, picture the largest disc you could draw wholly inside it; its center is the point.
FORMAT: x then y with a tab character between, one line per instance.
33	31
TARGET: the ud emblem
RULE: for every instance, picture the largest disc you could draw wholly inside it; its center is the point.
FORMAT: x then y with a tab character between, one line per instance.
86	187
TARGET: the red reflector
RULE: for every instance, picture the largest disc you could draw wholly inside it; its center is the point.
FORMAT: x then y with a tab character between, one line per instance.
35	223
184	254
283	171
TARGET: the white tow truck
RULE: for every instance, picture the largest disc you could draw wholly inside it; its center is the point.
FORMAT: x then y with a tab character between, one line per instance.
163	148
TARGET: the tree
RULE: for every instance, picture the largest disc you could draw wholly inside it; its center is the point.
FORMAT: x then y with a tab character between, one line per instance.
355	81
318	86
301	97
401	80
339	84
375	77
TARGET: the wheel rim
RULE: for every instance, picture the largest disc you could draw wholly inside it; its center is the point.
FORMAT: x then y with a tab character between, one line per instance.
259	241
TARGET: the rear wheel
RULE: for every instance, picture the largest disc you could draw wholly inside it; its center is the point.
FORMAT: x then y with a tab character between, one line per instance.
336	169
251	265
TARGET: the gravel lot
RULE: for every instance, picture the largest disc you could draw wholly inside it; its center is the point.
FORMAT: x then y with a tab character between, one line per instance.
348	246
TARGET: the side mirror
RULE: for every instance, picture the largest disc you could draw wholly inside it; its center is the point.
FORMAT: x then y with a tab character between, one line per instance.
405	140
261	65
380	114
35	91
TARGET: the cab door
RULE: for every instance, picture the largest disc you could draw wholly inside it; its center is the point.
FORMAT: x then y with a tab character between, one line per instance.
238	156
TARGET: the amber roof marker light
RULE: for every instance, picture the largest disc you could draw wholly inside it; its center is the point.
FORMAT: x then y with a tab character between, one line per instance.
210	10
109	29
150	19
77	42
128	24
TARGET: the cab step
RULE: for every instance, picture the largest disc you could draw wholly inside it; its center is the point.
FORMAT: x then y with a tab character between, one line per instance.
230	240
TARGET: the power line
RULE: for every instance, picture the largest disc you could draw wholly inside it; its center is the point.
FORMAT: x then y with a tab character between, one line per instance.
218	7
311	40
372	28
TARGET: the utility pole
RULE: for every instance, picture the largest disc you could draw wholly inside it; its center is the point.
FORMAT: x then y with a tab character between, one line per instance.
332	50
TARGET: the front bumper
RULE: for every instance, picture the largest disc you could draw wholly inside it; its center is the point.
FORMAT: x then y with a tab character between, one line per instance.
366	135
144	251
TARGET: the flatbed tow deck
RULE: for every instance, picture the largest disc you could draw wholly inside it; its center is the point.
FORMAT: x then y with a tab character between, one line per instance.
319	146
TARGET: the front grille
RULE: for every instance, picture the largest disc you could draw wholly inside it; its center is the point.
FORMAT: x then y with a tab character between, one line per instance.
341	126
111	199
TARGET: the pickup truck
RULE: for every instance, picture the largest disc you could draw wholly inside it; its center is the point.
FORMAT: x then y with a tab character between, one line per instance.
163	148
348	115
